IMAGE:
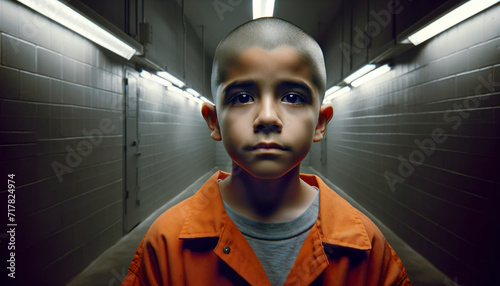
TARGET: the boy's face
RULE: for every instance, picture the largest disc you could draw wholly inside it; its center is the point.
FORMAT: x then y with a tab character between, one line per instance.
268	109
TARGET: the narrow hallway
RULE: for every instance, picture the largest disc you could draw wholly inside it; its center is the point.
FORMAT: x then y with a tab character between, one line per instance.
101	127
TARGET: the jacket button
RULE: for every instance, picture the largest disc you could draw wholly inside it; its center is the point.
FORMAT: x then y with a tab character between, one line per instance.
226	249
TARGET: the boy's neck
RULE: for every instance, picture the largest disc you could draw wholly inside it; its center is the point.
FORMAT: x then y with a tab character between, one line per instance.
267	200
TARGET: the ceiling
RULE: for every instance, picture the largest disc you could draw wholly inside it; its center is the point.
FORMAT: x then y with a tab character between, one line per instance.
219	17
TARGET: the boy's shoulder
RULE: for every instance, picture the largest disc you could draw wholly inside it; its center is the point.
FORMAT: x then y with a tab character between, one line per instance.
193	214
203	214
340	222
170	222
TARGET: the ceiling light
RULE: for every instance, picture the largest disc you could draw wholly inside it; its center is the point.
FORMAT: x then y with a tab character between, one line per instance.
193	92
454	17
371	75
71	19
171	78
188	93
175	89
332	90
337	91
180	92
359	73
190	96
153	77
262	8
146	74
205	99
197	99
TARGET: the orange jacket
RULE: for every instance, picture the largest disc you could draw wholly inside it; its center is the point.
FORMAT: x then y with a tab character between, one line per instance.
195	243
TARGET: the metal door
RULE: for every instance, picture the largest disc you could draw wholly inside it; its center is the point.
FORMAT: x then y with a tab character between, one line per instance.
131	207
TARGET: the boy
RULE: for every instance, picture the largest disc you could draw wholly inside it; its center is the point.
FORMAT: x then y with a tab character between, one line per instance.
266	224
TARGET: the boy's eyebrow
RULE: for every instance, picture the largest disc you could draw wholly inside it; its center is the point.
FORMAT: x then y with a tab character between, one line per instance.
295	85
238	85
252	84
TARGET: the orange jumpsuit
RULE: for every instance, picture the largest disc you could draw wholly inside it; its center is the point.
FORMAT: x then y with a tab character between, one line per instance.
195	243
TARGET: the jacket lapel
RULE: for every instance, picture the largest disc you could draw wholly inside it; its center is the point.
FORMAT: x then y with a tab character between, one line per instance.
338	222
206	217
338	225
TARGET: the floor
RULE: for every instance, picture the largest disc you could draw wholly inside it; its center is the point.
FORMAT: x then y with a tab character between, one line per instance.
111	267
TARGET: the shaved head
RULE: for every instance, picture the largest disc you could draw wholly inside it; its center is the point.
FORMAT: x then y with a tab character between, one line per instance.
268	34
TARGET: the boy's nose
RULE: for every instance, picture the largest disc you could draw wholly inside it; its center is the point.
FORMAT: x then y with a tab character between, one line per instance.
268	119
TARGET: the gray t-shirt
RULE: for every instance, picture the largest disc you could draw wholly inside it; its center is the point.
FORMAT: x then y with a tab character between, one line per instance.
276	244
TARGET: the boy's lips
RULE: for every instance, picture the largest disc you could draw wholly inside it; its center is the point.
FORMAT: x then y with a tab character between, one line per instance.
267	146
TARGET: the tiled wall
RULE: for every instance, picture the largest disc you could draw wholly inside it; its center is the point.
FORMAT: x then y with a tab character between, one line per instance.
56	88
441	198
168	35
171	129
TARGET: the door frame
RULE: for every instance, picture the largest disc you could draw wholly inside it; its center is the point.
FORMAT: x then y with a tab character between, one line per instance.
131	198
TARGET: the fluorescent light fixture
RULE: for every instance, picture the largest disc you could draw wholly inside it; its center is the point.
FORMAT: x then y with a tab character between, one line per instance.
454	17
371	75
181	92
193	92
171	78
188	93
262	8
145	74
197	99
71	19
359	73
205	99
155	78
337	92
161	81
332	90
175	89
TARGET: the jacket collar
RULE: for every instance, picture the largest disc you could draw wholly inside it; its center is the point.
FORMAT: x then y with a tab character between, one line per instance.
338	222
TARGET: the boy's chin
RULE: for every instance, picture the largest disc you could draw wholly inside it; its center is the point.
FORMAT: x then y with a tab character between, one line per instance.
266	170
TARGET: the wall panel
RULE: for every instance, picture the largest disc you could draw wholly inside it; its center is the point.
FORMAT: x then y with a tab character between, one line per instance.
56	87
418	148
175	145
62	134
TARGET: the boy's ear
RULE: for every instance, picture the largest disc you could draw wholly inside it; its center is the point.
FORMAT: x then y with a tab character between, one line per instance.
209	112
325	115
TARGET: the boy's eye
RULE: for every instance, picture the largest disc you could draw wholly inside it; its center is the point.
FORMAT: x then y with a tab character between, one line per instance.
241	98
293	98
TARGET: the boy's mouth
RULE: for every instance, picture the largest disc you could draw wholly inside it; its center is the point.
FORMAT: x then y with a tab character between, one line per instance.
265	146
